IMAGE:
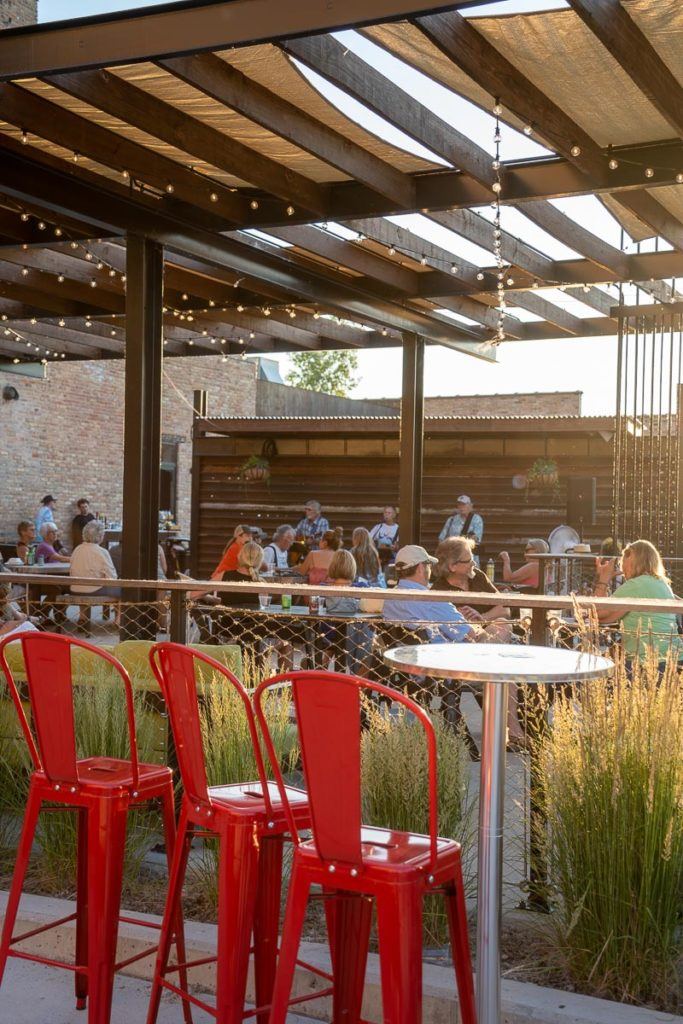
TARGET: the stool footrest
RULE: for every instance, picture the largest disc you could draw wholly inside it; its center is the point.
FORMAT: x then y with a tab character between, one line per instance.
42	928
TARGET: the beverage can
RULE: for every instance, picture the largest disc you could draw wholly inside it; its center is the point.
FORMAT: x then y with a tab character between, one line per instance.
286	601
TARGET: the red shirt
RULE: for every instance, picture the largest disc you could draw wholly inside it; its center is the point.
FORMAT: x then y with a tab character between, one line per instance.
228	561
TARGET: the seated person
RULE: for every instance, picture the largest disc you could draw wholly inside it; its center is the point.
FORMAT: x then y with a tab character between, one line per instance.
228	562
644	577
46	549
341	573
317	563
26	532
528	575
368	565
384	535
249	562
456	571
91	559
245	629
276	554
313	526
443	621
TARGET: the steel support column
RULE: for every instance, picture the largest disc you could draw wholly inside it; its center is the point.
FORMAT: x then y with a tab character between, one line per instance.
142	414
412	439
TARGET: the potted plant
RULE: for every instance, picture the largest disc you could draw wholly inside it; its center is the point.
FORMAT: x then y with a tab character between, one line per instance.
256	468
543	474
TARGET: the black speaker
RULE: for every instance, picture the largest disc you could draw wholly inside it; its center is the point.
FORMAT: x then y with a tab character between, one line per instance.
581	500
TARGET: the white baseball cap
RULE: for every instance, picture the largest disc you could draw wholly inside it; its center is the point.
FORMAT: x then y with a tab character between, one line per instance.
464	499
413	554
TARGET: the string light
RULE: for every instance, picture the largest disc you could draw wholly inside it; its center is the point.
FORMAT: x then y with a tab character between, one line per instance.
497	233
24	138
254	204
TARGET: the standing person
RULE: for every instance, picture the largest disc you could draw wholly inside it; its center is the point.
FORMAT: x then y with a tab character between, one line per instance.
311	528
26	533
46	512
228	563
368	566
384	535
82	517
464	522
275	554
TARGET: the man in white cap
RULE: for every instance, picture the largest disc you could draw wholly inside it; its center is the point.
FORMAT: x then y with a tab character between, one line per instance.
464	522
445	623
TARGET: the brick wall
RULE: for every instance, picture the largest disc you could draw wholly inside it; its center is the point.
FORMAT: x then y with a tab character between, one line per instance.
18	12
534	403
64	435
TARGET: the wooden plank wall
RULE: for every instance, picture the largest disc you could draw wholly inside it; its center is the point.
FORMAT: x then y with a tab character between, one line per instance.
354	478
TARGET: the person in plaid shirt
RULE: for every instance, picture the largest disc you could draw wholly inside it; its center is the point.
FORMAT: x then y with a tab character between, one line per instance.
311	528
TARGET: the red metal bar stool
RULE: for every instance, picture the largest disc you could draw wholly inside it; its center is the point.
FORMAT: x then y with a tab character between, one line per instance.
101	790
249	821
357	865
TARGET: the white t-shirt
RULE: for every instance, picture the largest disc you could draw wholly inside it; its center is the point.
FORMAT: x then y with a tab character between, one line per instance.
91	560
384	534
275	557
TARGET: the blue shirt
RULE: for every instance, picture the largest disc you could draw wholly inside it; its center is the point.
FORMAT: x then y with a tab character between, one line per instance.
45	515
453	526
444	622
312	530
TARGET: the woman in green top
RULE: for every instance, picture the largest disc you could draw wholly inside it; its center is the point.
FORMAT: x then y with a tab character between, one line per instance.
644	577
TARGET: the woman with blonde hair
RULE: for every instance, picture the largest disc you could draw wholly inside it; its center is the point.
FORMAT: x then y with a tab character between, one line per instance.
644	577
366	555
249	562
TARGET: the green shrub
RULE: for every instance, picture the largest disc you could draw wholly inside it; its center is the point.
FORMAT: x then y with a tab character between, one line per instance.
14	768
613	774
395	787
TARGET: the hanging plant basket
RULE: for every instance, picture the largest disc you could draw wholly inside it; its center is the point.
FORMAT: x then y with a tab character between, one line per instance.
255	470
543	475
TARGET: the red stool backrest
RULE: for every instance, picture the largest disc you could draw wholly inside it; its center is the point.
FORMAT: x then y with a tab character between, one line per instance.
52	741
328	710
174	667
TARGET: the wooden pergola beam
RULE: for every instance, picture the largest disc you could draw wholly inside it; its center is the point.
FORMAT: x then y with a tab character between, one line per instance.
203	25
121	99
47	120
229	86
610	21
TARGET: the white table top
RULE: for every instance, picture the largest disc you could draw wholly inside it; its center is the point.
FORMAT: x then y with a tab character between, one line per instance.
500	663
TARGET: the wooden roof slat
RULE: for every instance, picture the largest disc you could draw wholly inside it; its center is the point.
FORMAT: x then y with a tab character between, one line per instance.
459	40
34	114
628	44
330	59
227	85
121	99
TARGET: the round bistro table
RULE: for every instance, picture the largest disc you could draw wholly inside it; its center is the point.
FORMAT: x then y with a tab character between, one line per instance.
495	666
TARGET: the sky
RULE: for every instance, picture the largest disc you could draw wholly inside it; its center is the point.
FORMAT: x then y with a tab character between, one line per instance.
577	364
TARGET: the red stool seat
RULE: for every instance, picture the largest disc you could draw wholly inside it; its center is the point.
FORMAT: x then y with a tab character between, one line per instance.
358	866
249	822
102	789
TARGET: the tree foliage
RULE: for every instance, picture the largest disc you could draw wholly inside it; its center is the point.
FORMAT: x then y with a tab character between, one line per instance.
334	373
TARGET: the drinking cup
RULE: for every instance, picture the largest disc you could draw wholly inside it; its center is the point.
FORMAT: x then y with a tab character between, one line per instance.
264	601
314	604
286	601
321	605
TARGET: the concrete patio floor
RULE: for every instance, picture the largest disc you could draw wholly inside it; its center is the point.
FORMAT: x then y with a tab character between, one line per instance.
33	994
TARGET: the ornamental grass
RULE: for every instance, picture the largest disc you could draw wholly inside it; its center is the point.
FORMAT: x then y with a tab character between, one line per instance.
395	789
613	776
